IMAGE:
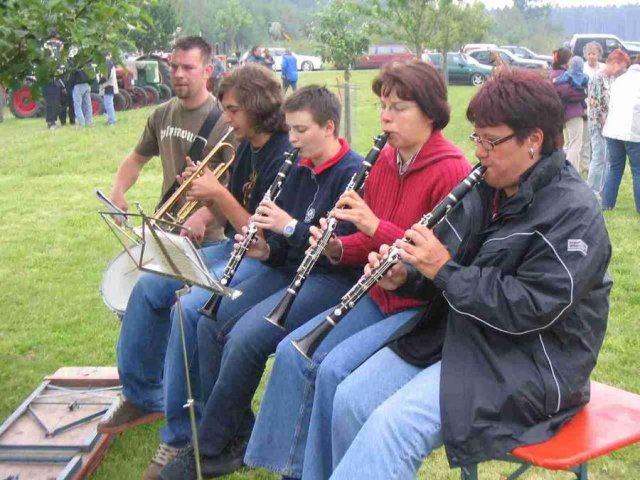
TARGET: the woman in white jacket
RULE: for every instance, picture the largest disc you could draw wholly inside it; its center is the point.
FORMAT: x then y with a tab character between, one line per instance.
622	132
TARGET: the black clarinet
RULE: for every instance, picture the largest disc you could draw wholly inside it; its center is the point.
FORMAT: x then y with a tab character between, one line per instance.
210	308
308	344
279	314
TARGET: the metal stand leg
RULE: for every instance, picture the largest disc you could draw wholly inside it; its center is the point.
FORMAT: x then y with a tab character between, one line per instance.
190	402
470	472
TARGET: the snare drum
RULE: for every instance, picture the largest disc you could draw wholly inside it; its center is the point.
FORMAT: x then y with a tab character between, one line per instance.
119	279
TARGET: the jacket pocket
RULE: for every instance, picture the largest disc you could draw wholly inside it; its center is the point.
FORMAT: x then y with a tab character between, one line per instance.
544	364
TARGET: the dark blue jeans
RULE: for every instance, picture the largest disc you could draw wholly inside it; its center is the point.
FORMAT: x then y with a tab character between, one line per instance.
177	430
145	331
233	355
617	152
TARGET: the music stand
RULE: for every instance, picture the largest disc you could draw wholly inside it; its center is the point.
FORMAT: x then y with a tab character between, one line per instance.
173	256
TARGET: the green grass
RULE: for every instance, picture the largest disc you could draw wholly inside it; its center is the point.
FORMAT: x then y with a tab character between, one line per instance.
55	248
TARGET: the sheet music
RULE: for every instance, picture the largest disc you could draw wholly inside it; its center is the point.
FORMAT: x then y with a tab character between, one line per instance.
176	255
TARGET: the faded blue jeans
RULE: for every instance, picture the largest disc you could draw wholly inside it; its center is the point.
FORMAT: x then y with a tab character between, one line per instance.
145	331
177	428
233	356
280	433
386	419
81	95
617	151
109	108
598	166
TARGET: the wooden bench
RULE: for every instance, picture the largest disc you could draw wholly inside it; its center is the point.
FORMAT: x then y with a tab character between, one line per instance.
610	421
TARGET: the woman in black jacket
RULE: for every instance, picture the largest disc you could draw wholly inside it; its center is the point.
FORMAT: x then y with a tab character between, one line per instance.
520	302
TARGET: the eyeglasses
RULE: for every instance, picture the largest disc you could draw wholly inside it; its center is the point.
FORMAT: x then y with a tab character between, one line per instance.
489	145
397	107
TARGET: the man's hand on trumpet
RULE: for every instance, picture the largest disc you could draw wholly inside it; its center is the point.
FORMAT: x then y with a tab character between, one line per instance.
205	188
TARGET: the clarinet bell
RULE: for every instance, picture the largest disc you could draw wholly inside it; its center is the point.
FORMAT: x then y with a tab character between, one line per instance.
278	316
210	308
308	344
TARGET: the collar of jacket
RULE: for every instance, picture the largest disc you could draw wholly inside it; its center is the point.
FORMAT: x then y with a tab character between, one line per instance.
534	179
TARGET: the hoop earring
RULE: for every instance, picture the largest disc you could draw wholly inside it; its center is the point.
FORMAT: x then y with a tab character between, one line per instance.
531	152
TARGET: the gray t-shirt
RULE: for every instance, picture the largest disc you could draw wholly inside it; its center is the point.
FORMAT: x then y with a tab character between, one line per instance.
169	133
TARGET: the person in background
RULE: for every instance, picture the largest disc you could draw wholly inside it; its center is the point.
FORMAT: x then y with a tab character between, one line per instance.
52	93
572	95
216	76
2	102
268	59
108	88
593	54
289	71
598	108
82	97
255	56
622	132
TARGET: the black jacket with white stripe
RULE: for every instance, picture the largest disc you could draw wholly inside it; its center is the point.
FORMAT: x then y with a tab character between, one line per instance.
519	314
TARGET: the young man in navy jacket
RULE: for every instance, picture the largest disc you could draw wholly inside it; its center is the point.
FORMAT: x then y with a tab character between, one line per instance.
233	349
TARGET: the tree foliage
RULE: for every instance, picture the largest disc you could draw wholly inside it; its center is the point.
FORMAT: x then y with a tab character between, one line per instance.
91	27
229	21
340	33
159	35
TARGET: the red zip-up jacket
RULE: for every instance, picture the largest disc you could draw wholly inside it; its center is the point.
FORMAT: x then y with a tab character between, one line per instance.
400	201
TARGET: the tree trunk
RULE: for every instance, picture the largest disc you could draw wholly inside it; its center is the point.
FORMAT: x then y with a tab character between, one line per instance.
347	104
445	68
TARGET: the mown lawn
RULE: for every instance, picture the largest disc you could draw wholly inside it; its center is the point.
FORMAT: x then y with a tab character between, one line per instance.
55	248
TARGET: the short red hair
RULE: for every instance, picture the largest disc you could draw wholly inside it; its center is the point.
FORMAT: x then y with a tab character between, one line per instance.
619	56
522	100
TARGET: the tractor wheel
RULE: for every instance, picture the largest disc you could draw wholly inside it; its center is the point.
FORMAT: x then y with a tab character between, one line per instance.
152	94
128	102
119	102
139	97
22	104
165	92
97	104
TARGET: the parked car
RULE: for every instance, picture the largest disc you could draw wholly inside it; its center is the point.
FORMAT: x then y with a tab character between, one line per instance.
378	55
524	52
306	63
469	47
608	42
462	68
484	57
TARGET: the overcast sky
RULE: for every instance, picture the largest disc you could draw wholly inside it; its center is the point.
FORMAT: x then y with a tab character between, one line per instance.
564	3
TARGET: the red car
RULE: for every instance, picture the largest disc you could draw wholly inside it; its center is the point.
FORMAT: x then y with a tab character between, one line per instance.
378	55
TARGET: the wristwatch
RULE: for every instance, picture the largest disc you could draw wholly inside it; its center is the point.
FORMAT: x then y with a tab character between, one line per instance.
289	228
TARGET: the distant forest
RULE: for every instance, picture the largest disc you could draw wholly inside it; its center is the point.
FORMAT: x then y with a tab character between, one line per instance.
622	21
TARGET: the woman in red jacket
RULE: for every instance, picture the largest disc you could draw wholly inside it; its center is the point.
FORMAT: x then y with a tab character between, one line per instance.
416	169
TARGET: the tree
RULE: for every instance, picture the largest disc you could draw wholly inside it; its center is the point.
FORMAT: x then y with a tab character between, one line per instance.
92	28
157	37
340	33
409	21
229	21
456	24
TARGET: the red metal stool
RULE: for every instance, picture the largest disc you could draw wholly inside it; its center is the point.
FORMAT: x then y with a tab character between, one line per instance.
610	421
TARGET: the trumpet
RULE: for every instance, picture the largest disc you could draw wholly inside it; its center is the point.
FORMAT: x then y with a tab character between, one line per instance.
308	344
171	214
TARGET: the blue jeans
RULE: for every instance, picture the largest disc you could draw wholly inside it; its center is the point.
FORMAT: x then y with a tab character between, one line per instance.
386	419
598	165
177	429
280	433
82	104
145	331
233	356
344	359
109	109
617	151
